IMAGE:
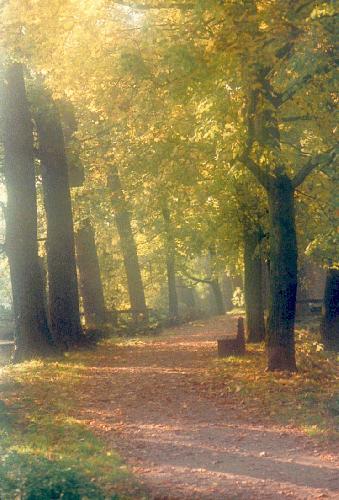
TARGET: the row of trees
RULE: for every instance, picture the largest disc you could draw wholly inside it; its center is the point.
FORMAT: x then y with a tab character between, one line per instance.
197	124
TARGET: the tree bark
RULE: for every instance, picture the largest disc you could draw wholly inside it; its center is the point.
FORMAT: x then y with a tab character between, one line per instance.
89	276
255	322
189	299
64	311
32	336
283	275
227	292
128	248
330	319
218	296
173	307
215	285
76	171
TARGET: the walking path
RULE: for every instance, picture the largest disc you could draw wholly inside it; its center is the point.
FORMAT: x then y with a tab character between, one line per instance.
144	400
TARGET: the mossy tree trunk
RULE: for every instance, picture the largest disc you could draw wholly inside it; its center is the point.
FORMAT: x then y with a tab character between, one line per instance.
254	307
63	296
330	319
32	336
89	276
128	248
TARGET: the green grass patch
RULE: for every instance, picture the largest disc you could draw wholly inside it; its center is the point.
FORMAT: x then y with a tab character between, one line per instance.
308	399
46	452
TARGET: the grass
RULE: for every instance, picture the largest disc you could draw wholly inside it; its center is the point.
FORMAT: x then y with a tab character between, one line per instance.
308	400
47	453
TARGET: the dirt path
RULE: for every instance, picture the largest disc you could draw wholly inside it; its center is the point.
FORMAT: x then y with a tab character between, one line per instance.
182	445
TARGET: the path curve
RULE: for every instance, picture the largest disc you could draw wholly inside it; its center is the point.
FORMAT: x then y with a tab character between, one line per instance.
182	445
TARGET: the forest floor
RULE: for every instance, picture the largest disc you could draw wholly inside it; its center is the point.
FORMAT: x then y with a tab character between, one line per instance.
186	424
187	433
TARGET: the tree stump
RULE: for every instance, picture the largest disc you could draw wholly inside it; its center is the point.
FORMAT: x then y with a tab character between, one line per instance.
233	346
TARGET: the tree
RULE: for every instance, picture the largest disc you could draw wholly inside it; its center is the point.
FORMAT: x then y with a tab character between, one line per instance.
89	276
280	189
128	247
63	296
32	336
255	324
173	306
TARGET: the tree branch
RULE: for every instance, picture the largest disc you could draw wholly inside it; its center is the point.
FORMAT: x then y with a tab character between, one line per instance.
322	208
262	177
198	280
295	87
296	118
323	159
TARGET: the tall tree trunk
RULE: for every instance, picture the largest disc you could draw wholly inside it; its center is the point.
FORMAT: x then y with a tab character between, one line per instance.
43	270
89	276
215	285
255	322
283	275
227	292
330	319
128	248
173	307
188	297
32	336
62	277
218	296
